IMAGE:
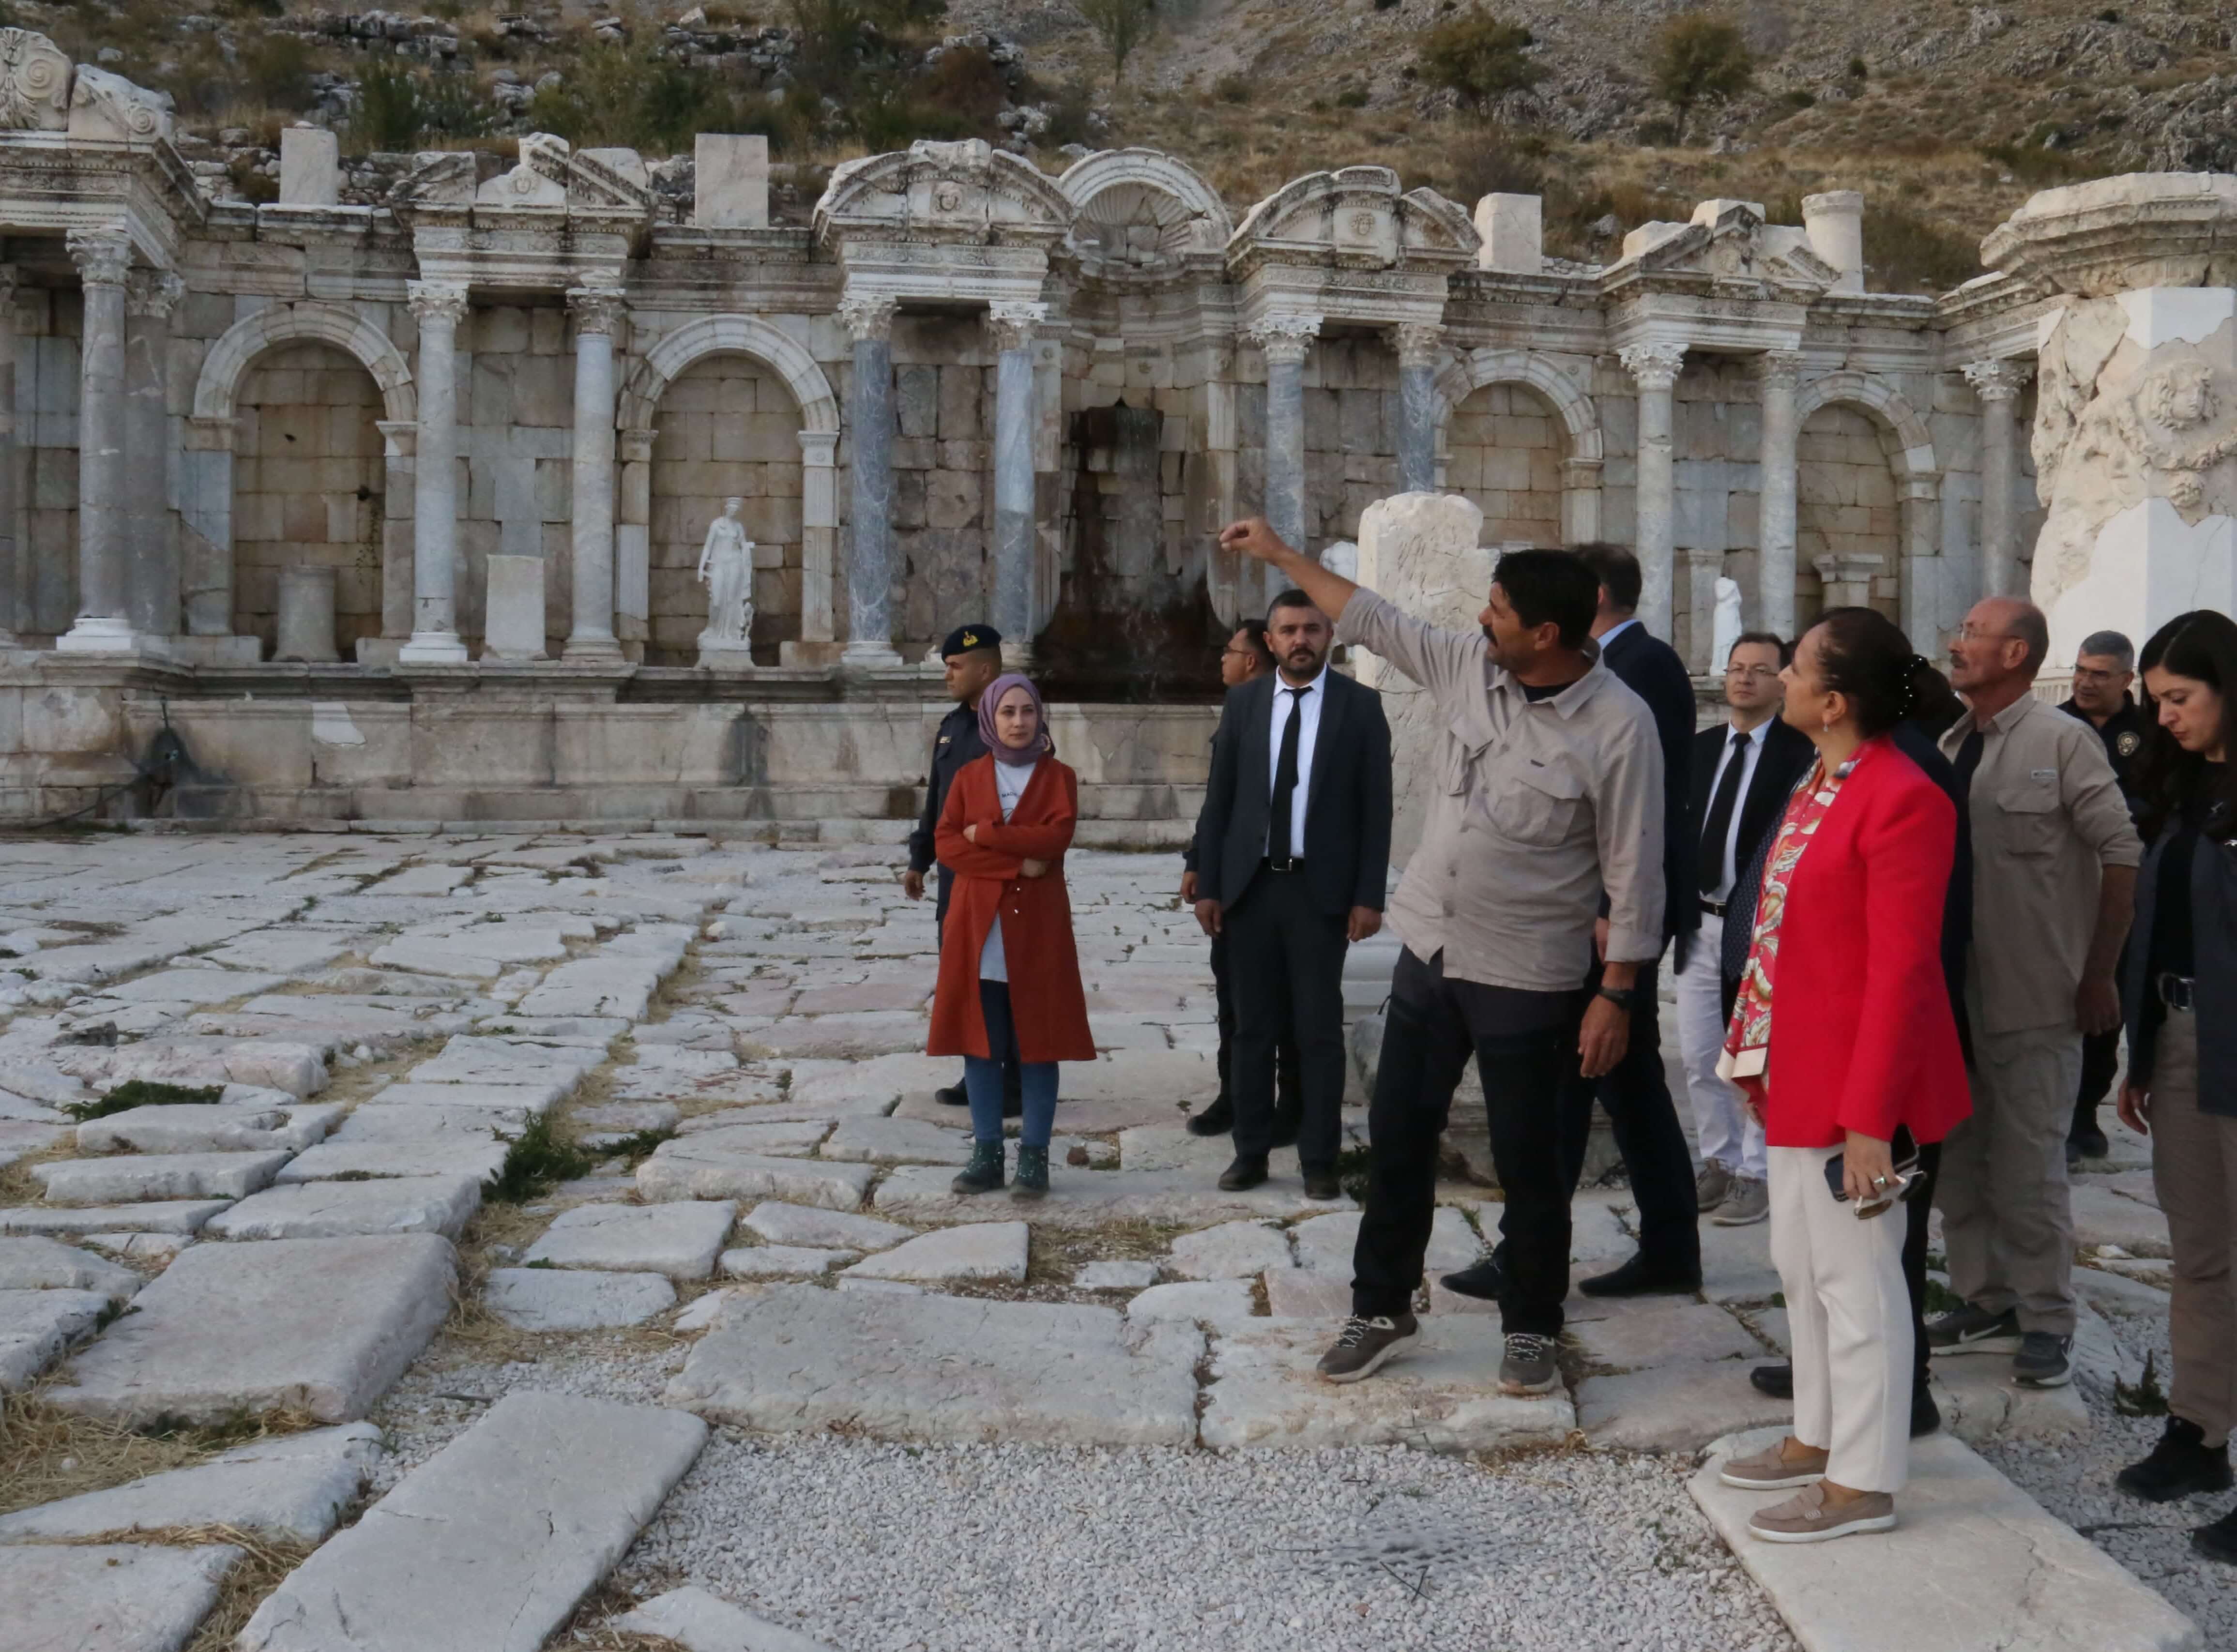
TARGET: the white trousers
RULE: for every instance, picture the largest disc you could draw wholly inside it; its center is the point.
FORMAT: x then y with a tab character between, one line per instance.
1848	1320
1723	1128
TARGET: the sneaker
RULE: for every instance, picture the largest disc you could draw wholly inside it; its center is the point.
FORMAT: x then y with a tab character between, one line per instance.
1806	1516
1364	1344
2180	1463
1216	1120
1527	1365
984	1172
1710	1186
2218	1541
1774	1469
2041	1361
1748	1203
1032	1180
1974	1330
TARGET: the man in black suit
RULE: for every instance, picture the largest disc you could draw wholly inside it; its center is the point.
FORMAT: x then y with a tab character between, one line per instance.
1743	771
1292	855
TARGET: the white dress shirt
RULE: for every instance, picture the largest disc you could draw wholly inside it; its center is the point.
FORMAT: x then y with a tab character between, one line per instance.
1614	631
1749	753
1010	782
1310	704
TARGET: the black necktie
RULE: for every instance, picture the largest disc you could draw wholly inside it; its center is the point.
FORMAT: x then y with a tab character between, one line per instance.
1285	777
1968	758
1720	823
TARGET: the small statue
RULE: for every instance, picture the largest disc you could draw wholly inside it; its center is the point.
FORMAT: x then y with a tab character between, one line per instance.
1727	629
726	562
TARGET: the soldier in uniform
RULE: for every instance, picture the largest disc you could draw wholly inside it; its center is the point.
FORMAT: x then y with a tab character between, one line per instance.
973	656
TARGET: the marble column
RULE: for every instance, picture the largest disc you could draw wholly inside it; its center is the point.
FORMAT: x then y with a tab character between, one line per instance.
1012	326
1997	384
11	551
870	476
152	587
104	624
1655	367
597	311
819	536
1778	374
633	540
1418	346
1705	565
439	308
1283	340
1581	500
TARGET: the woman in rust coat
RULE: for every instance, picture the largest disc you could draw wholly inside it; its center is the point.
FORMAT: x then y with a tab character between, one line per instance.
1009	977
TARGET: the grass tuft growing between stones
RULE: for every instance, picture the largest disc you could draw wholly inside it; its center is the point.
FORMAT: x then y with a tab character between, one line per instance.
538	1161
47	1453
143	1092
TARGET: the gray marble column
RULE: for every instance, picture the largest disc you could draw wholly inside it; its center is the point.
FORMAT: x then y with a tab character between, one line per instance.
1705	565
1655	366
104	624
152	589
1418	346
870	478
1997	384
11	548
1778	374
1283	340
1012	326
597	311
435	480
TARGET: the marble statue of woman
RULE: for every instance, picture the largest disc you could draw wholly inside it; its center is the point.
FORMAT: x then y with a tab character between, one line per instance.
726	562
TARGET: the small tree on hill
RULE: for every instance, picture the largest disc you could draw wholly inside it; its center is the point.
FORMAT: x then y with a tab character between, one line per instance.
1700	59
1123	25
1479	57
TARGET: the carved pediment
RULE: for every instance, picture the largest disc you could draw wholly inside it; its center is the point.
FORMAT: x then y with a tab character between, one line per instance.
35	82
1355	217
1142	214
110	108
966	193
1728	243
552	176
442	181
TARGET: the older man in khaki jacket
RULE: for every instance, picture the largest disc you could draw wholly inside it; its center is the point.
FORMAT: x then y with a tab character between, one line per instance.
2054	878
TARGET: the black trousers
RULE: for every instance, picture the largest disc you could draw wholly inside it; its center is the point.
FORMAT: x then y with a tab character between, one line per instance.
1013	1074
1278	942
1637	1098
1525	1045
1915	1210
2100	1059
1287	1094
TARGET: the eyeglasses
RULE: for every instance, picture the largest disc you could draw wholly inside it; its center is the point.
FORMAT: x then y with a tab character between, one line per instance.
1238	653
1761	672
2090	674
1968	634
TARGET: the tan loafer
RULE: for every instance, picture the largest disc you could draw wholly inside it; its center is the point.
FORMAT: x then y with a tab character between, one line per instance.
1808	1518
1767	1470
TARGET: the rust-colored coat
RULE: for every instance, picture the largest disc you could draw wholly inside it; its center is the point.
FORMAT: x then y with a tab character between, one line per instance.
1046	1002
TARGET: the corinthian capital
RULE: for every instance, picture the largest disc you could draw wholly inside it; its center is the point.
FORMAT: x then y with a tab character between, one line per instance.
1655	366
1419	343
1013	324
1285	338
153	293
597	309
1997	381
102	255
1779	369
437	301
868	315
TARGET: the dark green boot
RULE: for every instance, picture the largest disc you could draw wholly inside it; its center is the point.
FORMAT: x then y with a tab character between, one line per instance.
1033	1172
984	1172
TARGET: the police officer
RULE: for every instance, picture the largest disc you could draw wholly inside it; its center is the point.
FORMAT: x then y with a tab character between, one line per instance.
973	656
2104	670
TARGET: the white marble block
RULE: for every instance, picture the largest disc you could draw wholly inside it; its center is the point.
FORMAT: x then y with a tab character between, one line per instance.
1514	234
730	187
1835	222
514	627
310	168
307	615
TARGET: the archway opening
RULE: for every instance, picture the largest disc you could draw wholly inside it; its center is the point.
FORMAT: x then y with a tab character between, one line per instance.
1504	446
1848	519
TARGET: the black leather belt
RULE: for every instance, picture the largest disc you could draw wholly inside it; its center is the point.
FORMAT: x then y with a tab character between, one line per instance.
2178	991
1714	908
1284	863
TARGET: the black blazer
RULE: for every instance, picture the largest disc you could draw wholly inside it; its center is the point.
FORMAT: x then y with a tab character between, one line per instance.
1347	799
1650	668
1785	756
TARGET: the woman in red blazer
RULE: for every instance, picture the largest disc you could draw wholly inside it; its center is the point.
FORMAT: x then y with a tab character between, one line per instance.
1843	1040
1009	977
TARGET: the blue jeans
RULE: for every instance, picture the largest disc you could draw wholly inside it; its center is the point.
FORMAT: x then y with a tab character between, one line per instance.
982	1075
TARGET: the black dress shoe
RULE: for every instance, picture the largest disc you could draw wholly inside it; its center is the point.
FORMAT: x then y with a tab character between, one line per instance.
1635	1277
1216	1120
2218	1541
2180	1464
1483	1280
952	1096
1287	1125
1243	1174
1777	1380
1925	1415
1323	1184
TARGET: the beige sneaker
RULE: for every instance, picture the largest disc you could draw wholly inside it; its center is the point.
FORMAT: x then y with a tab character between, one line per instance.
1772	1470
1710	1186
1808	1518
1748	1203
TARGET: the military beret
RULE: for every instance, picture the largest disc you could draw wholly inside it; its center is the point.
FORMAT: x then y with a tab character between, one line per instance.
966	638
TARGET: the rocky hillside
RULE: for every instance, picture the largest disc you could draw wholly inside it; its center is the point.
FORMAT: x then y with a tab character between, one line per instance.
1946	113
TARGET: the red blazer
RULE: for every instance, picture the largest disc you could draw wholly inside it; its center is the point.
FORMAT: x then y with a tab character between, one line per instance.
1861	1034
1047	1002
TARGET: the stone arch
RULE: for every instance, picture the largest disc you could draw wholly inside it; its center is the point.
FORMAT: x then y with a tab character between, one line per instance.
1146	190
345	329
1915	457
744	335
1861	542
1573	407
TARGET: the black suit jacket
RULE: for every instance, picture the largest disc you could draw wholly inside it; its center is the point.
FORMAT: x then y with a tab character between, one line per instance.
1786	754
1346	798
1650	668
957	743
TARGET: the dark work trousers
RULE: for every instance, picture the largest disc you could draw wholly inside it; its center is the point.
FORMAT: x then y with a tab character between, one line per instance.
2100	1059
1286	1099
1915	1210
1277	940
1525	1045
1013	1074
1636	1096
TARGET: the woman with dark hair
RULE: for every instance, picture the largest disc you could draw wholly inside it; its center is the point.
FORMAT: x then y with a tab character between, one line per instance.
1843	1041
1009	974
2178	996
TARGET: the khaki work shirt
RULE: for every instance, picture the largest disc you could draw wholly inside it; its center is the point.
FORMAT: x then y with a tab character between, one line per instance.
1536	808
2046	817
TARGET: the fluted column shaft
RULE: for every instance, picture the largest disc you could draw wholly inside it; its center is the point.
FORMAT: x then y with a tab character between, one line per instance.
1418	345
1778	373
435	491
1655	367
870	484
1012	326
1997	384
597	311
102	257
152	585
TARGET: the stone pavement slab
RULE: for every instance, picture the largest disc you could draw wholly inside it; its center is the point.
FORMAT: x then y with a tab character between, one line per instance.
489	1546
1442	1394
1233	1250
291	1486
158	1175
321	1325
679	1240
986	1250
780	1223
838	1037
215	1128
778	1261
1980	1402
477	1059
36	1326
595	986
900	1141
699	1622
278	1063
108	1597
2103	1217
1222	1304
419	1112
39	1264
1115	1275
1307	1294
781	1138
1677	1407
438	1204
929	1367
166	1216
1092	1198
551	1298
1661	1331
1981	1564
687	1168
434	1155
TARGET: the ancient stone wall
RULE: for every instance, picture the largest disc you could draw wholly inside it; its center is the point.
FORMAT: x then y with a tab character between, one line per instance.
1504	450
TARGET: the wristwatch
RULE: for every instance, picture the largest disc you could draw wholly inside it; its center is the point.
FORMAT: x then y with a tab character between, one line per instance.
1620	996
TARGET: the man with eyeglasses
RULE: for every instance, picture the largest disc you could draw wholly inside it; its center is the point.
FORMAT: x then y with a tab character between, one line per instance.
2104	668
